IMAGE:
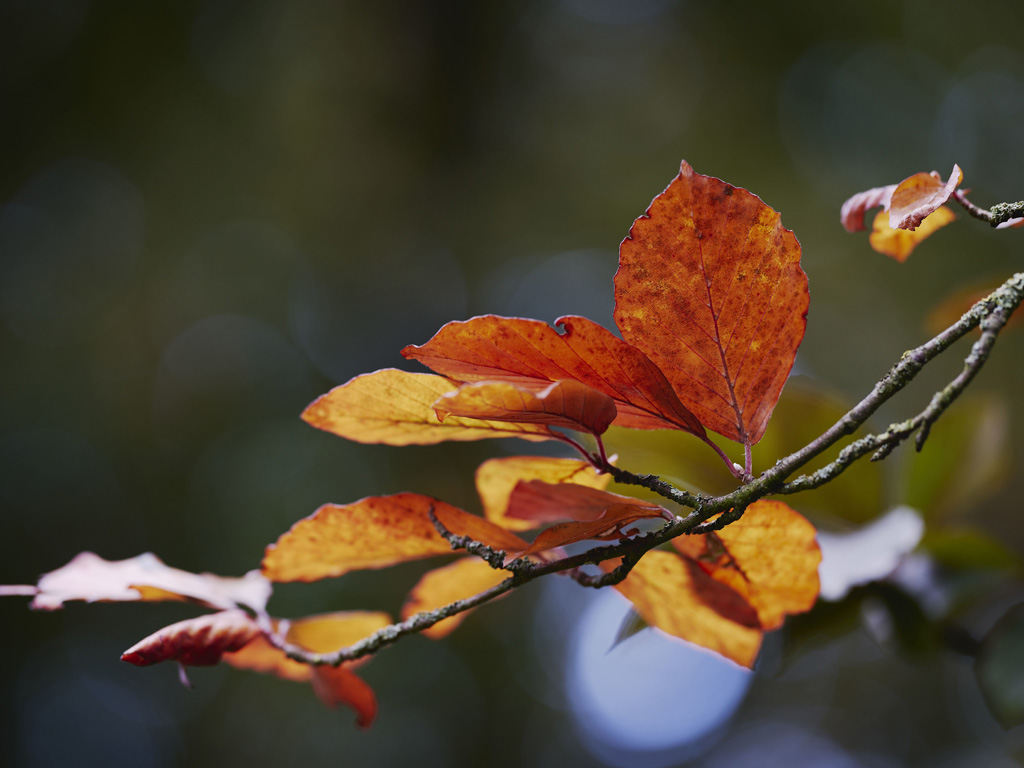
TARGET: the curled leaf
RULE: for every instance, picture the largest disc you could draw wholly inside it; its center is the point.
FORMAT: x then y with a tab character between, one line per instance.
397	408
565	403
710	287
374	532
542	502
533	354
89	577
900	243
464	578
198	642
852	213
497	478
917	197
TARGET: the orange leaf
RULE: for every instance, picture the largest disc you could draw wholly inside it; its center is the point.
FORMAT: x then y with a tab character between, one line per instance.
337	685
852	213
497	478
952	308
920	195
374	532
441	586
670	594
195	642
900	243
321	634
710	287
145	577
770	556
533	354
566	403
397	408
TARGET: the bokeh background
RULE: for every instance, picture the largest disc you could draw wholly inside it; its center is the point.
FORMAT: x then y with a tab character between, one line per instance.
214	211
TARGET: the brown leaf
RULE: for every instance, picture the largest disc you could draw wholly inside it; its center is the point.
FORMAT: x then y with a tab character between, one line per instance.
668	593
198	642
397	408
533	354
900	243
565	403
497	478
145	577
917	197
770	557
464	578
374	532
710	287
853	210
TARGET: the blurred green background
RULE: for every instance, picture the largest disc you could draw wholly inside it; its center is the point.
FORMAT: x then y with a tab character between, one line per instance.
213	212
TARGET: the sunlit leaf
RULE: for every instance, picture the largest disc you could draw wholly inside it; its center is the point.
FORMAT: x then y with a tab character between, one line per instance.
566	403
710	287
769	556
374	532
533	354
919	196
441	586
338	685
197	642
496	479
397	408
666	590
900	243
145	577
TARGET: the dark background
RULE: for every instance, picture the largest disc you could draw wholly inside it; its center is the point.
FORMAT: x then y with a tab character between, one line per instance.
213	212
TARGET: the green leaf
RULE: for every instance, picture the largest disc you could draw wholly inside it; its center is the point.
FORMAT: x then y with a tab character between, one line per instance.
1000	668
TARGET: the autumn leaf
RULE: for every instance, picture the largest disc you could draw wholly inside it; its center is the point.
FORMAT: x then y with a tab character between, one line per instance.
666	591
900	243
709	286
600	515
198	642
532	354
145	577
543	502
769	556
321	634
374	532
464	578
497	478
397	408
566	403
917	197
852	212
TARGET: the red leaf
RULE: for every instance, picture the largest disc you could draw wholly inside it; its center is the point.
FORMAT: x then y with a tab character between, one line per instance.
917	197
566	403
145	577
195	642
533	354
853	210
710	287
543	502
